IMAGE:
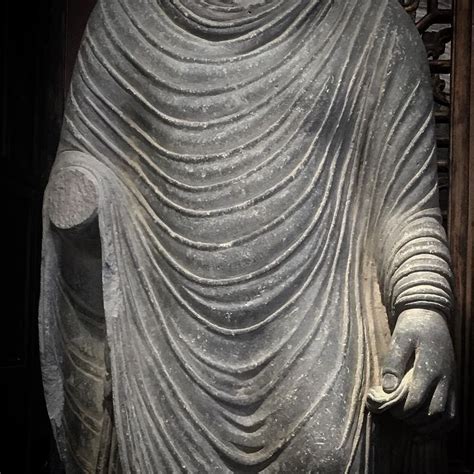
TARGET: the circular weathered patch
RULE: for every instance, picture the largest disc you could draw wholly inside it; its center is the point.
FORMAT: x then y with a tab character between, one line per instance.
72	199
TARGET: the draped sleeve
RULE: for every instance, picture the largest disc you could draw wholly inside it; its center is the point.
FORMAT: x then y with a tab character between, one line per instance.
242	171
409	241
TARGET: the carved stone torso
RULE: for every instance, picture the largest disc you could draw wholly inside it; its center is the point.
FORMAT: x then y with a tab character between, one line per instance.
258	174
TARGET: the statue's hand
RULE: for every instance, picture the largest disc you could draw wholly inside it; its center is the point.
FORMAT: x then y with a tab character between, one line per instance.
424	393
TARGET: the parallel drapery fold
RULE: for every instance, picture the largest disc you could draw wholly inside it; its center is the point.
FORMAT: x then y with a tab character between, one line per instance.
250	162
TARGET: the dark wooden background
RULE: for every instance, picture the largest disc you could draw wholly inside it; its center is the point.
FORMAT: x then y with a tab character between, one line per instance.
39	41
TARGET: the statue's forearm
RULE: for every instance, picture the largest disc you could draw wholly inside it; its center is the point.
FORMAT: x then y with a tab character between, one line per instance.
414	269
72	208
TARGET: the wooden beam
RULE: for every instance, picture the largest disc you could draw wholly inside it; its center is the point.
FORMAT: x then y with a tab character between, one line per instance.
461	201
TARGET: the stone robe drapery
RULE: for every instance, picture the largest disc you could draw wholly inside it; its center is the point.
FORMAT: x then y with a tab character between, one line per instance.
254	165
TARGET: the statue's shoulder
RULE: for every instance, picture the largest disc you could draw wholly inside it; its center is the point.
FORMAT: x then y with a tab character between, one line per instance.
406	38
404	46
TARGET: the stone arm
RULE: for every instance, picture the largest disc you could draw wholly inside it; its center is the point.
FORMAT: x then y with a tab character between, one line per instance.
72	210
413	268
414	275
409	244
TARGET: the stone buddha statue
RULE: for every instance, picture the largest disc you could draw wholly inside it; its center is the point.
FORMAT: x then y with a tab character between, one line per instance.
242	239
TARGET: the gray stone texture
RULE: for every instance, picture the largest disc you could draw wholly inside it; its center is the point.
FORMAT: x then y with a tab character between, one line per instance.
242	239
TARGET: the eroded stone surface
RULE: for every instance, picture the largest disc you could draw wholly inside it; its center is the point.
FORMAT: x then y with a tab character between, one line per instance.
73	200
261	180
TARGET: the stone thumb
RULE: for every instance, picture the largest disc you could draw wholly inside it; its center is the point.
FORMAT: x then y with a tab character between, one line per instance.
395	363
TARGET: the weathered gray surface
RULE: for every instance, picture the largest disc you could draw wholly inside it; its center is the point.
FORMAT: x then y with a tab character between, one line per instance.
234	183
